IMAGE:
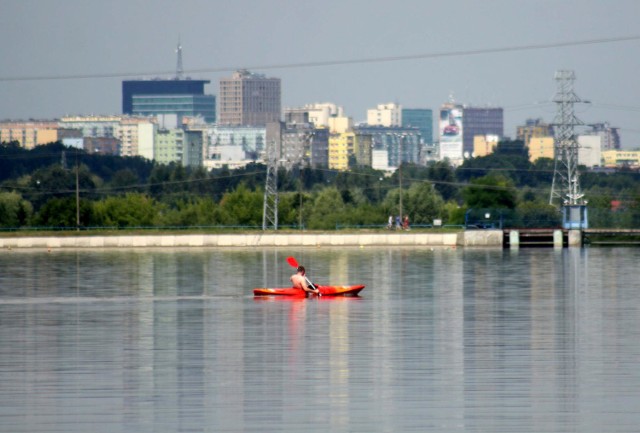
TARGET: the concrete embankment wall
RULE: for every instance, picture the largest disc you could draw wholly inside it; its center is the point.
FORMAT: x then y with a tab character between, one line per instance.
477	238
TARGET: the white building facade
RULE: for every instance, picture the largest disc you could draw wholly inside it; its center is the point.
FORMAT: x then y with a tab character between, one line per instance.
385	115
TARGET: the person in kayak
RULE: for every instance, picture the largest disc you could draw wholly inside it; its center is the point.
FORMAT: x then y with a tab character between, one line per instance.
300	282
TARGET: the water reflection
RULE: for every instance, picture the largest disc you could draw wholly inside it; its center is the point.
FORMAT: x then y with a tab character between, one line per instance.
440	340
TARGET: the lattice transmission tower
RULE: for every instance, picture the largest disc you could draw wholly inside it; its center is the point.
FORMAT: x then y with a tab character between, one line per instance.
270	209
565	188
179	68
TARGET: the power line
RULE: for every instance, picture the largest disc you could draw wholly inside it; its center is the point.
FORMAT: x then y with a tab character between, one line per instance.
365	60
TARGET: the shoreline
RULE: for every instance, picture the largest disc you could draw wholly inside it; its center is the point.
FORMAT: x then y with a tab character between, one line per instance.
475	238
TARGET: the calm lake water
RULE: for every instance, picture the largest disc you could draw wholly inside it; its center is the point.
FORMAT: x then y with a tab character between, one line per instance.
444	340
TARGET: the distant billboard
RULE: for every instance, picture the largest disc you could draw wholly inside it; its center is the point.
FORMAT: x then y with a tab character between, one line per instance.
450	132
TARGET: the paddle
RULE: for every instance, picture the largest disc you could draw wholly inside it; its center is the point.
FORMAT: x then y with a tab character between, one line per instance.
294	264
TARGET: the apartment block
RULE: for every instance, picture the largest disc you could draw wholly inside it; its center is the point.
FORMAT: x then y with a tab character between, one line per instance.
385	115
249	99
541	147
29	134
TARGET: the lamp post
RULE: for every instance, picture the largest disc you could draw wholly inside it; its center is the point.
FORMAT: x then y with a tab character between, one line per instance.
300	197
77	198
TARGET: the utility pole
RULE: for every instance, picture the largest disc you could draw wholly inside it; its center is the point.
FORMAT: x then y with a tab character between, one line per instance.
300	197
270	209
565	188
77	197
400	144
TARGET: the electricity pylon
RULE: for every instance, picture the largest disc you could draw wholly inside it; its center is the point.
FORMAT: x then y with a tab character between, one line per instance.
270	209
565	188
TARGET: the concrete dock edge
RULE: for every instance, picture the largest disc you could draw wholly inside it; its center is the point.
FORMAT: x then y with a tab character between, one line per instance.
484	238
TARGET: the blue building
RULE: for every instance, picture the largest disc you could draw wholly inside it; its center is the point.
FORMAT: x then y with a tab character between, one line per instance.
180	105
131	88
421	118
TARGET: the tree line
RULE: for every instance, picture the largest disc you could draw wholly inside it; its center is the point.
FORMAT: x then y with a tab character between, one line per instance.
50	185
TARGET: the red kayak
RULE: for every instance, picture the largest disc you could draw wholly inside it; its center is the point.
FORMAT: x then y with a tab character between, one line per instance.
324	291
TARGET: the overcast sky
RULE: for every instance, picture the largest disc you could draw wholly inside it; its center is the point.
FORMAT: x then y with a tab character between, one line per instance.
66	38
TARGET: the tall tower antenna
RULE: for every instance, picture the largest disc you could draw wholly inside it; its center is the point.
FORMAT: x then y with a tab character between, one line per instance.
270	209
565	188
179	69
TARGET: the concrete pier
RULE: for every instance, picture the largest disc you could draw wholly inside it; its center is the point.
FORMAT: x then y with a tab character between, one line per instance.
475	238
467	239
514	239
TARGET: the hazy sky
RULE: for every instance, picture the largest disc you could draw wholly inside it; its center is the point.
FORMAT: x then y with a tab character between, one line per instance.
66	38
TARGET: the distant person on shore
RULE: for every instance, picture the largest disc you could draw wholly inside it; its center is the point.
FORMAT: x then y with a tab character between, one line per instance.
405	223
390	223
398	223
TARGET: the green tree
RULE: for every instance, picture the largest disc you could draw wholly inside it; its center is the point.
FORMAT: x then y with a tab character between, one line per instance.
328	210
14	210
510	158
123	180
200	211
493	191
422	203
538	214
444	179
62	212
130	210
243	207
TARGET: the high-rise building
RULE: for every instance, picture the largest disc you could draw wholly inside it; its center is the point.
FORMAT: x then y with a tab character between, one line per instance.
385	115
180	96
590	150
401	144
298	144
93	126
159	87
179	105
609	135
249	139
541	147
319	148
249	99
135	134
346	145
458	125
480	121
421	118
177	145
29	134
450	132
319	114
533	128
484	145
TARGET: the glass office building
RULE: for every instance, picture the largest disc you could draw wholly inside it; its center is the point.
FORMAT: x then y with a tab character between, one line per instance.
181	105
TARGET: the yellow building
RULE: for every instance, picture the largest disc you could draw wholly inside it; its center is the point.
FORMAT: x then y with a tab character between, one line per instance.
484	145
349	144
340	124
534	128
541	147
619	158
29	134
340	147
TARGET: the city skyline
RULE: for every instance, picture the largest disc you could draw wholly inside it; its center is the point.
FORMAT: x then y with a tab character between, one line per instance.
104	42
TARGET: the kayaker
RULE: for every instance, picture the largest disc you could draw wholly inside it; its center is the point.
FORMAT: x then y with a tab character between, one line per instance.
300	282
